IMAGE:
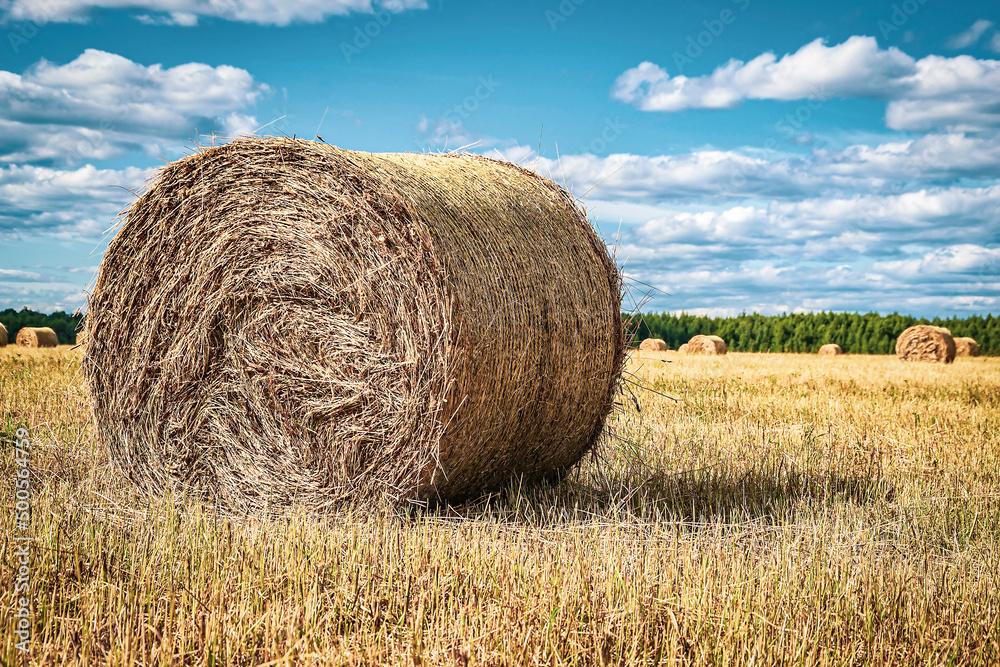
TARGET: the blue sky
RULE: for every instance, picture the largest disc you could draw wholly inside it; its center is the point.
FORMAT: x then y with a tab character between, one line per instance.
738	155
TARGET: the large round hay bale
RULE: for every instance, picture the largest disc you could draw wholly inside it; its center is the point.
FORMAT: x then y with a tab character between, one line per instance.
3	335
966	347
356	327
830	349
37	337
653	345
683	349
706	345
924	342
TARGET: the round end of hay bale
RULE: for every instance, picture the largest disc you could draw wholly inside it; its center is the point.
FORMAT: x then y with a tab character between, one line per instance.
653	345
684	348
37	337
701	344
830	349
3	335
357	327
928	343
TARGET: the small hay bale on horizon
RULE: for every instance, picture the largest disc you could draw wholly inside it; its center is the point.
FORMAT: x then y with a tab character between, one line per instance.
358	328
966	347
653	345
37	337
3	335
830	349
701	344
924	342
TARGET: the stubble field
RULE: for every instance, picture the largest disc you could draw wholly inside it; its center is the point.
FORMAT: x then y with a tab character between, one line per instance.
786	509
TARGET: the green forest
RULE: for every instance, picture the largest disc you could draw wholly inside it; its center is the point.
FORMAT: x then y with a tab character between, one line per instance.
63	324
805	332
802	332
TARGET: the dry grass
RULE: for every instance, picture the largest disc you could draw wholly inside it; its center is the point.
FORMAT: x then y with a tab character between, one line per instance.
786	511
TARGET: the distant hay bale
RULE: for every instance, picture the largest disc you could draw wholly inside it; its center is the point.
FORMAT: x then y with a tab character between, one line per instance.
831	349
720	344
3	335
706	345
966	347
926	343
351	327
653	345
37	337
683	349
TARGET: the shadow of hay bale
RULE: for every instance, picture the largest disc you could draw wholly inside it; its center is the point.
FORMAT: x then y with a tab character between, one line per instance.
705	495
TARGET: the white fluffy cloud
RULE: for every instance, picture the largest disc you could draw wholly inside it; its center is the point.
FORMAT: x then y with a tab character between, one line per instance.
188	12
961	93
957	261
888	168
73	204
774	288
826	230
923	251
101	105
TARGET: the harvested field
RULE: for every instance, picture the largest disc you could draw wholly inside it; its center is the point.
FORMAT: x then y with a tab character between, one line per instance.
785	511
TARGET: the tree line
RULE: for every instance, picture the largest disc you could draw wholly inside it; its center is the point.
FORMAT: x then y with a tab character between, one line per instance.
870	333
64	324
